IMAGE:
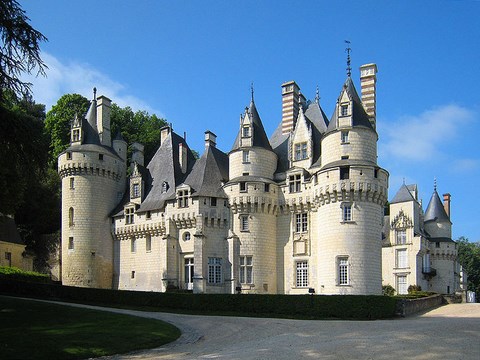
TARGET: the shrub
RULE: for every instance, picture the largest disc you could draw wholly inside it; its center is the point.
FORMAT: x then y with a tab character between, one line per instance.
388	290
14	273
414	288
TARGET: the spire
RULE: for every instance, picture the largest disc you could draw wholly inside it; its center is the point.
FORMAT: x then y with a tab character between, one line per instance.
435	209
94	93
435	184
251	89
317	96
348	50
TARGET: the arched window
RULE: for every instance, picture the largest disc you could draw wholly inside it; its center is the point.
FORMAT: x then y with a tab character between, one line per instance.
70	216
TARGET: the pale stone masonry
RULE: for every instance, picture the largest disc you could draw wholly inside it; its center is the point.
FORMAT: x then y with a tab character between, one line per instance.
297	213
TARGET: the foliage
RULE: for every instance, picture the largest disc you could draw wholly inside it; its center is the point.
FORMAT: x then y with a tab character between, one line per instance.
17	274
19	50
414	289
469	258
23	149
281	306
388	290
58	120
35	330
139	127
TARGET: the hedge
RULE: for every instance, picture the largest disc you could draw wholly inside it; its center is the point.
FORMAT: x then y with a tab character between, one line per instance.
7	272
283	306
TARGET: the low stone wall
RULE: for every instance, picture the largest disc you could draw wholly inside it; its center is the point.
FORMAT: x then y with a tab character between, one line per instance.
407	307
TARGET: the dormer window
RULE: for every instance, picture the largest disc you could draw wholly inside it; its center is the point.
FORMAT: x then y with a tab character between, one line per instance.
164	187
182	197
136	190
301	151
295	183
76	135
246	131
129	215
344	110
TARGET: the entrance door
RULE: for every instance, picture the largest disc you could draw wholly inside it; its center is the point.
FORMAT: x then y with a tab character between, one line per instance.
189	273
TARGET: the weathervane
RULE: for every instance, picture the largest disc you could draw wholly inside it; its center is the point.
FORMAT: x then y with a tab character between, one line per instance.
317	96
94	93
434	184
348	50
251	89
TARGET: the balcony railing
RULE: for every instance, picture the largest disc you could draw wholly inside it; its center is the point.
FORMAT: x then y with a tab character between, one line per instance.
429	271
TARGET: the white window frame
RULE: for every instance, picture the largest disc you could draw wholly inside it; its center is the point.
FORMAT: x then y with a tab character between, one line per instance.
148	243
133	245
246	156
401	258
246	269
295	183
344	137
189	267
400	236
71	243
301	274
301	222
244	223
402	287
343	265
135	190
344	110
347	212
182	198
246	131
129	215
72	183
214	270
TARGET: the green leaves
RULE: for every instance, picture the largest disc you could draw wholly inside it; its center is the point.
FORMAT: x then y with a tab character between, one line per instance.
469	258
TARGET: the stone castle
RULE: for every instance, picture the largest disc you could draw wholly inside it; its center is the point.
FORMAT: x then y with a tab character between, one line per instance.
300	212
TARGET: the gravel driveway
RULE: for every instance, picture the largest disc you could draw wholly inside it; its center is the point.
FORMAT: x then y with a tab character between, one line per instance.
448	332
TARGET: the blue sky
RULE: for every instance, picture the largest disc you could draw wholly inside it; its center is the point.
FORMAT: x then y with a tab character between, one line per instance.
192	62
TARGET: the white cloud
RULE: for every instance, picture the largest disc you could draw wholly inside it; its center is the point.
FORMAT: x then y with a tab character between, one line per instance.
421	137
80	78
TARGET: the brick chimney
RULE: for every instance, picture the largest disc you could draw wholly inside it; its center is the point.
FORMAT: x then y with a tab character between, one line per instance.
368	81
290	105
446	203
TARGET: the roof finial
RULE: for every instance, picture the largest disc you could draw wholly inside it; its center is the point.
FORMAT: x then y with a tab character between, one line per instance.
435	184
94	93
251	89
317	96
348	50
403	180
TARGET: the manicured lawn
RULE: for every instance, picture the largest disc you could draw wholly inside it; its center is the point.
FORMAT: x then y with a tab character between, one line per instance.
35	330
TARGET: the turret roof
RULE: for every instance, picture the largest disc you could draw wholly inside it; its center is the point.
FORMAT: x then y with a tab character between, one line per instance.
403	195
259	137
359	116
435	210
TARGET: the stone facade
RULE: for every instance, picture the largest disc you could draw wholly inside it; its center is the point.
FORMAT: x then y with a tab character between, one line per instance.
299	212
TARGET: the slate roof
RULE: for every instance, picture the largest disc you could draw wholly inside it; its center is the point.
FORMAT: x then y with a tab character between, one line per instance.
435	210
165	167
209	174
260	138
359	116
403	195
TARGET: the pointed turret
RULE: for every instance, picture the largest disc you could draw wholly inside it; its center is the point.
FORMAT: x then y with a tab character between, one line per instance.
437	222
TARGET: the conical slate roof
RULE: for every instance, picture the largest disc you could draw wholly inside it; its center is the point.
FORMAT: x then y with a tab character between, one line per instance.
359	116
259	137
209	173
435	210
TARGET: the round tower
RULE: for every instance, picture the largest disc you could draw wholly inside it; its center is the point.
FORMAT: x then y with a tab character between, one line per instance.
351	193
253	201
93	183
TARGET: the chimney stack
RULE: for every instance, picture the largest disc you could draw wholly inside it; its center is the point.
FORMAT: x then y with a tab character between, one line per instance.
290	105
103	120
446	203
182	157
210	139
368	81
164	131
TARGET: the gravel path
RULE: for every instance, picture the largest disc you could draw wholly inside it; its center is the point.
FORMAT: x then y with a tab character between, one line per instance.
448	332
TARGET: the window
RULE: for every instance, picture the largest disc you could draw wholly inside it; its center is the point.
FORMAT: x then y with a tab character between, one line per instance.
100	156
243	186
69	156
344	157
214	270
133	275
246	156
401	258
70	216
375	173
133	245
301	277
243	222
401	237
295	182
189	273
70	243
346	212
344	137
148	243
148	215
246	131
136	190
213	201
437	245
344	173
129	215
76	135
343	278
301	224
301	151
164	187
267	188
344	110
186	236
72	183
246	269
182	198
402	285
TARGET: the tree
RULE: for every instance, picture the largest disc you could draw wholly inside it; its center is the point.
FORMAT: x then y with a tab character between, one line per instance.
469	258
20	50
58	120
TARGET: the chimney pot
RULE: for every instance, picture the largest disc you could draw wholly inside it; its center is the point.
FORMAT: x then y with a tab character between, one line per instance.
210	139
446	203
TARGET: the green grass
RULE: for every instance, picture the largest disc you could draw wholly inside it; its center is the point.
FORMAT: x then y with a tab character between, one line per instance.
36	330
